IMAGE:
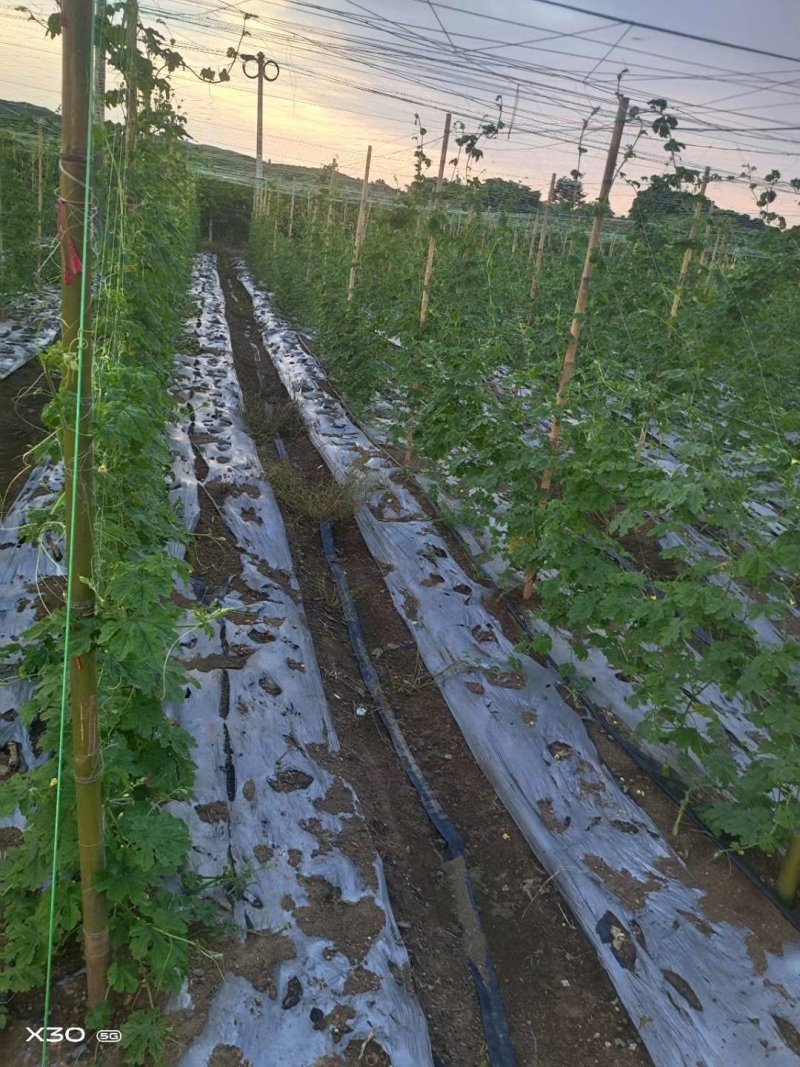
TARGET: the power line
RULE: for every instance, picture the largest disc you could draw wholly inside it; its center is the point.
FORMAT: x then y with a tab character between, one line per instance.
672	33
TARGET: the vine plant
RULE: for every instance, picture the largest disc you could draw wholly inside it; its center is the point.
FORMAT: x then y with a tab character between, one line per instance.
156	906
660	561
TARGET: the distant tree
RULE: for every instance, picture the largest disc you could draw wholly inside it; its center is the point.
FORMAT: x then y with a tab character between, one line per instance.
569	191
503	195
661	199
227	206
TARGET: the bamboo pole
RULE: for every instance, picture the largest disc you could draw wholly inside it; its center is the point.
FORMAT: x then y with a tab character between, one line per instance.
361	227
687	255
705	255
290	230
426	283
789	877
2	238
131	96
100	84
331	191
77	387
39	183
534	231
548	207
582	300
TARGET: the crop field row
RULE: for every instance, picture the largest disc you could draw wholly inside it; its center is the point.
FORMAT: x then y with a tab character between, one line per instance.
399	622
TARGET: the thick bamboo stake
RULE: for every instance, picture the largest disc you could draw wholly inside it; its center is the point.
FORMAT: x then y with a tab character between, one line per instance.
76	25
548	207
131	97
2	238
39	184
534	231
582	300
705	256
331	191
789	878
687	255
426	283
290	230
361	227
100	84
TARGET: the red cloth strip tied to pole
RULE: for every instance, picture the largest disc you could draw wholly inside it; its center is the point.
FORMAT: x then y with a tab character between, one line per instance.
70	259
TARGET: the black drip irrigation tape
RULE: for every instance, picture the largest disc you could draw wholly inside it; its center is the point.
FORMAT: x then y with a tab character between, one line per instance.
672	787
481	965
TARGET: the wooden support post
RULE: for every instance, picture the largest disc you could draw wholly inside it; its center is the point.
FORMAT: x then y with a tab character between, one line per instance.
705	256
582	300
79	466
548	207
361	227
534	231
331	191
687	255
100	84
290	230
40	183
426	283
2	237
131	76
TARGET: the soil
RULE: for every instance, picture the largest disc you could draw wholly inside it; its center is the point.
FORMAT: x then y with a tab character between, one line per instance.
22	397
561	1007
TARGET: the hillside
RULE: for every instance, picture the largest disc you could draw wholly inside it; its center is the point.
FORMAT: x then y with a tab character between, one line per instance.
23	119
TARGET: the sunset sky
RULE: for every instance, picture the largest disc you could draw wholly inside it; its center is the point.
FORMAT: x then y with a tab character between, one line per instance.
354	72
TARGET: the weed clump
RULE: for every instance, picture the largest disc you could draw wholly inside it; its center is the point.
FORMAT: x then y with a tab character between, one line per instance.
316	497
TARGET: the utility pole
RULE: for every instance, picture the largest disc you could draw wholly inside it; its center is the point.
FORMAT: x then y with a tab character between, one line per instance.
265	70
79	465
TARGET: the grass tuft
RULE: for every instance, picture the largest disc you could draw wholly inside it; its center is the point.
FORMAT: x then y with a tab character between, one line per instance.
266	422
318	496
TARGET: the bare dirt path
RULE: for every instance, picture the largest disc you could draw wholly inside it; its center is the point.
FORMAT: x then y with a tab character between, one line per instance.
561	1007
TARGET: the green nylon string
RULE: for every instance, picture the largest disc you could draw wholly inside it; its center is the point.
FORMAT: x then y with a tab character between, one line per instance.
73	508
